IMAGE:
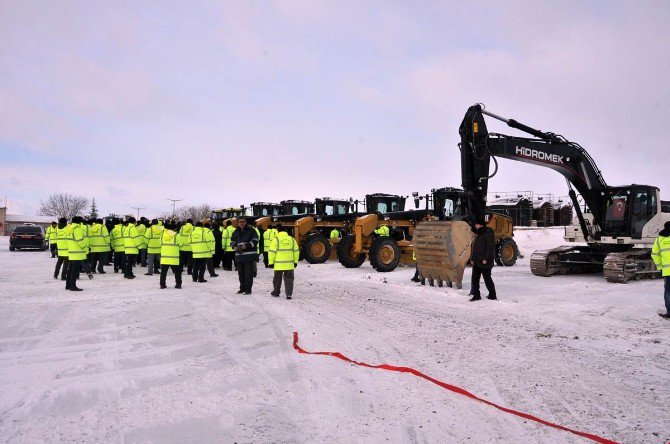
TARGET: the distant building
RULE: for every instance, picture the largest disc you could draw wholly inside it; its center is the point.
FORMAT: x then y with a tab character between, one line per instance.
9	221
543	212
519	208
562	214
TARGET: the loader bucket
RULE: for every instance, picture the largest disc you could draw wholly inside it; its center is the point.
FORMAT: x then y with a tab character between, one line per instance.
442	251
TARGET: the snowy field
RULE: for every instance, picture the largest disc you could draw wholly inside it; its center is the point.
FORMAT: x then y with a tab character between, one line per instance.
124	361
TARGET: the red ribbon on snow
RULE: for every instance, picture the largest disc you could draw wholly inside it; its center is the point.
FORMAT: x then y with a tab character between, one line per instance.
452	388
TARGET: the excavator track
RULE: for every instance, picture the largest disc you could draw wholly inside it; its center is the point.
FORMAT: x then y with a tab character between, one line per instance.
566	260
442	251
630	265
545	262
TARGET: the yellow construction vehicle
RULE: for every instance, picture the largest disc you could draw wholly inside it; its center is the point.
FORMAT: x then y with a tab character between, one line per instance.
312	232
384	235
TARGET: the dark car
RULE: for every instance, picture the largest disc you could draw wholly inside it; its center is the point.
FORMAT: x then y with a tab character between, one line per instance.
27	236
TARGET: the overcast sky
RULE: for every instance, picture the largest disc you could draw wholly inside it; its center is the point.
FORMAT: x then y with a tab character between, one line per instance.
232	102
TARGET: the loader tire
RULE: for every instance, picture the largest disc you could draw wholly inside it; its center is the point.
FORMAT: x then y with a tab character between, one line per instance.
316	249
384	254
346	255
507	252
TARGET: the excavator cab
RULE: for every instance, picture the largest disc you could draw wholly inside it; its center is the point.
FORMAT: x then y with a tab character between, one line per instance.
627	210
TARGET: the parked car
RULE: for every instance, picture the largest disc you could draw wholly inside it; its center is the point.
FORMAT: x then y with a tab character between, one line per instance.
27	236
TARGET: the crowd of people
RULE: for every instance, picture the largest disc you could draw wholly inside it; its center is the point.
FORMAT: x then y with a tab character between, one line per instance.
88	246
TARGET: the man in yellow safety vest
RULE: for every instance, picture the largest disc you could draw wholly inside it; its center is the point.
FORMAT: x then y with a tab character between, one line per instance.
283	255
52	238
268	235
171	242
660	253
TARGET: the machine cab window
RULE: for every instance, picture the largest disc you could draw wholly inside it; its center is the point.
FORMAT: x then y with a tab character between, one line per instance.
644	208
627	211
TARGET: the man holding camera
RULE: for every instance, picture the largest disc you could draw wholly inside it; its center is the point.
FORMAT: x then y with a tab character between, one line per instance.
244	241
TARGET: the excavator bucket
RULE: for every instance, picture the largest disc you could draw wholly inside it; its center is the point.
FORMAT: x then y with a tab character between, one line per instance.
442	251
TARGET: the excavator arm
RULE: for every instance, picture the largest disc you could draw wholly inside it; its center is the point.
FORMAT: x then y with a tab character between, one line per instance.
478	147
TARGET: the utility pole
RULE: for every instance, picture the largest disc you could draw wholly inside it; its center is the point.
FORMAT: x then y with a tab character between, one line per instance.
173	204
138	211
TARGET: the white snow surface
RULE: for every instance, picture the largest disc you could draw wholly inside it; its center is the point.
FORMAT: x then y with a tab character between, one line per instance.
124	361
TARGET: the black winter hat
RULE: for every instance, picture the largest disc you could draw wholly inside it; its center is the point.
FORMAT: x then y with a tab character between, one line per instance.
667	225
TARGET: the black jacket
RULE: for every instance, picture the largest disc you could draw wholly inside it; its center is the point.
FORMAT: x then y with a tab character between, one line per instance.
244	243
484	248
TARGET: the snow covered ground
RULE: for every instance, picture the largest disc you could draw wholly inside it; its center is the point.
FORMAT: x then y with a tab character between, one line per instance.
124	361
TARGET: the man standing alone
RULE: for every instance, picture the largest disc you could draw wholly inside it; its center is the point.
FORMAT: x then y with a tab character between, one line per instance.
244	241
483	253
660	253
283	255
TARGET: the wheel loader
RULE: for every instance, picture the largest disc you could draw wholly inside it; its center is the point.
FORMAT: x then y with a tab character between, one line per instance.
312	232
384	250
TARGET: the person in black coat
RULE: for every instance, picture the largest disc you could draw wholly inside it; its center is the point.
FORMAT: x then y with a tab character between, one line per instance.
244	241
482	259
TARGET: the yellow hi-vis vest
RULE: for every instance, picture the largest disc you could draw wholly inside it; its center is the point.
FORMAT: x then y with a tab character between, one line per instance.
258	245
198	244
117	238
211	242
185	232
226	235
383	230
268	235
77	246
131	239
660	253
62	235
284	252
334	233
141	230
99	238
170	244
153	235
50	234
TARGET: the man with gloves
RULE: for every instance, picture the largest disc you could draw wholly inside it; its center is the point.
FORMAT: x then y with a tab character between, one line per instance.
244	241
